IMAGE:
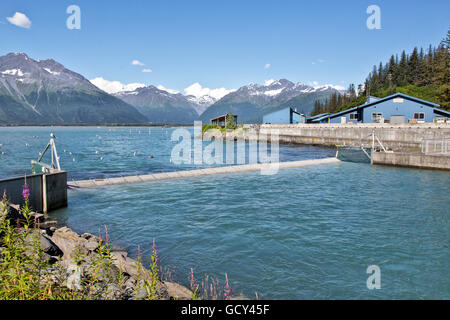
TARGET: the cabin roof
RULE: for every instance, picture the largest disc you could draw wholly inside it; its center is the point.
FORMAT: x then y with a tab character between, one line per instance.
396	95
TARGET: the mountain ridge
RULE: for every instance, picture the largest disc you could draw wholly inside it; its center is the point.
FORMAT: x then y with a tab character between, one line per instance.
160	106
45	92
252	101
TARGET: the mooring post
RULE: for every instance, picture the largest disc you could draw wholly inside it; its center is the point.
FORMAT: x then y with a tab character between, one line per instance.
44	194
373	147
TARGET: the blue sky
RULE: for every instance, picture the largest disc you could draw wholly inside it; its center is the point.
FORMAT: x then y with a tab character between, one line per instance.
222	43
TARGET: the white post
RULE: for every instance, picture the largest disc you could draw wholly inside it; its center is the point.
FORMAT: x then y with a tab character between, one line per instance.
44	194
51	151
373	146
56	154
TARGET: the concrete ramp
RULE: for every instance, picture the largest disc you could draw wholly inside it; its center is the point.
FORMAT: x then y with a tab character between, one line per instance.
94	183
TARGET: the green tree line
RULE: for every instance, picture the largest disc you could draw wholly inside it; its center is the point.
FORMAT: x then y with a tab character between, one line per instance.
424	74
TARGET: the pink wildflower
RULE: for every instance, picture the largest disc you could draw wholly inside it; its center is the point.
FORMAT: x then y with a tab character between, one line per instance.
25	190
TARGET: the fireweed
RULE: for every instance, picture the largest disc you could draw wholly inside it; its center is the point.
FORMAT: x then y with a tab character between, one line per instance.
210	288
22	265
148	280
26	273
25	190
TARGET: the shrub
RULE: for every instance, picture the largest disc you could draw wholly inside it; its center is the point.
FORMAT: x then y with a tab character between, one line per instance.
207	127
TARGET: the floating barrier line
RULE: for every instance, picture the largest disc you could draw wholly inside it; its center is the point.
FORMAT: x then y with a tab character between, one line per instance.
94	183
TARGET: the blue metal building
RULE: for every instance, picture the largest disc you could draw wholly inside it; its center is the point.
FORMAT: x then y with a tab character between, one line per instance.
285	115
397	108
312	118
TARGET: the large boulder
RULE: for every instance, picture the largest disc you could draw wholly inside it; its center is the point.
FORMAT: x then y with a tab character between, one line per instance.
128	265
74	274
68	240
49	247
92	242
177	291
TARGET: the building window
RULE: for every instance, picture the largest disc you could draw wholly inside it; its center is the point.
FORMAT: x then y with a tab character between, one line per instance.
354	116
419	116
376	117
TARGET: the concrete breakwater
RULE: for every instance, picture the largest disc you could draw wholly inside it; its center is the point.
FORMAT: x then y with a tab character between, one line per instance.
196	173
393	136
412	160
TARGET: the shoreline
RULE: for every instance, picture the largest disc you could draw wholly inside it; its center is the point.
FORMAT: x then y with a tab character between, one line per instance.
69	257
164	125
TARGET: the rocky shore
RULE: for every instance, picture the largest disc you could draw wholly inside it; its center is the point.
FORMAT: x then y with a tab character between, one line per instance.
73	261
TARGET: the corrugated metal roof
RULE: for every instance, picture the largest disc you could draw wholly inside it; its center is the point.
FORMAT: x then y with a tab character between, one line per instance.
396	95
318	116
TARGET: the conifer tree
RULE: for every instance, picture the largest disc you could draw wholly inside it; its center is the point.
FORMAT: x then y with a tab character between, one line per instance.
420	74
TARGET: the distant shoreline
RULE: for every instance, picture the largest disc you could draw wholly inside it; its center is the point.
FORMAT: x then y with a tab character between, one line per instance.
101	125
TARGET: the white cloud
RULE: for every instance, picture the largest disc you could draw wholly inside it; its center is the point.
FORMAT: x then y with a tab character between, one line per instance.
137	63
267	66
318	61
19	19
147	70
340	88
197	90
172	91
115	86
316	85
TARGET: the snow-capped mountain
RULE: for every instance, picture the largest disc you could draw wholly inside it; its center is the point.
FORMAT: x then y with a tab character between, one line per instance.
281	89
271	90
160	106
44	91
147	100
201	103
250	102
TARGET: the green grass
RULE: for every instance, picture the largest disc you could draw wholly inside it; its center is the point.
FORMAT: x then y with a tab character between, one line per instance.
26	274
207	127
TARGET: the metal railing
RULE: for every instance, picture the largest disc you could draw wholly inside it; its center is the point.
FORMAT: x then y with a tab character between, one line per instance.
436	146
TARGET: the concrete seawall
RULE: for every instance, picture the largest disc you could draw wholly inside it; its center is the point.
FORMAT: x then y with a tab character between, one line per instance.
47	191
195	173
393	136
412	160
13	188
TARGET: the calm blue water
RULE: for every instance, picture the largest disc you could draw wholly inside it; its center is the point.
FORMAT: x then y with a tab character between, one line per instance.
305	233
89	152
